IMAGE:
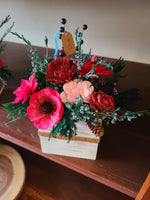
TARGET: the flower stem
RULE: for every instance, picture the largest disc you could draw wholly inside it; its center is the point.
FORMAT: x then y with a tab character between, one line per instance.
104	114
46	52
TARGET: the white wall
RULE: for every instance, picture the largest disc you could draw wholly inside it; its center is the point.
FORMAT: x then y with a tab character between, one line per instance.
116	27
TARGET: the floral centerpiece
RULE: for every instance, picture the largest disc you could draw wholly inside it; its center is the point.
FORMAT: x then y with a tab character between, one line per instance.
4	72
59	92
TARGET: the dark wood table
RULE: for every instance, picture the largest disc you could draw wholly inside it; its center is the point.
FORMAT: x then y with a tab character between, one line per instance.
123	159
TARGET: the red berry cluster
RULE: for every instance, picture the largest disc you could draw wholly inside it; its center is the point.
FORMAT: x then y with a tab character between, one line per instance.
62	52
62	29
84	27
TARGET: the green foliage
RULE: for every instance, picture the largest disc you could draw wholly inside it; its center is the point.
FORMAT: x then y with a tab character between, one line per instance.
118	66
66	127
15	111
36	61
5	74
81	111
23	38
34	56
46	40
78	42
128	115
127	99
2	23
40	78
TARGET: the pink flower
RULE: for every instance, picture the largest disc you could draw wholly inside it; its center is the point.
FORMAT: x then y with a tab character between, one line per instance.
1	63
94	58
45	108
26	88
74	88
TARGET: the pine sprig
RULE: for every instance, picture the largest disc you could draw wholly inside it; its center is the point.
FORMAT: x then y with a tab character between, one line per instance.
34	56
22	38
127	99
2	23
66	127
6	32
15	111
82	112
78	42
118	66
36	61
5	74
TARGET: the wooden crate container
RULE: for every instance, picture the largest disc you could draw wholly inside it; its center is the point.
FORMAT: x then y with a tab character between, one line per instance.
84	145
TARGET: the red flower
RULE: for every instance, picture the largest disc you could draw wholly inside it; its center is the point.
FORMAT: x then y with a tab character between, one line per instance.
61	70
102	71
99	71
1	63
102	101
46	108
85	69
26	88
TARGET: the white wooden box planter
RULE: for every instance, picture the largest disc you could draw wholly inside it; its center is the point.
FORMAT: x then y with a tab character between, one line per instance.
84	145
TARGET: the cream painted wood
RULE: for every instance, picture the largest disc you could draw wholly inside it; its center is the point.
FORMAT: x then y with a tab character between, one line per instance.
84	145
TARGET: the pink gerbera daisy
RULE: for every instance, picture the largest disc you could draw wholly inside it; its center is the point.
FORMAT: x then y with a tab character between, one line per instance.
45	108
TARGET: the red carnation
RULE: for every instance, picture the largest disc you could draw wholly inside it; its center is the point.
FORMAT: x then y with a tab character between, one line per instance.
45	108
101	101
61	70
99	71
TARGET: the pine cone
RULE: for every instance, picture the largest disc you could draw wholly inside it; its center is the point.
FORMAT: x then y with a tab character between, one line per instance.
96	129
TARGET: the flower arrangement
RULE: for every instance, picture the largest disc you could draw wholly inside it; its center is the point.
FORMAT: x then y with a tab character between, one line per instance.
4	72
62	91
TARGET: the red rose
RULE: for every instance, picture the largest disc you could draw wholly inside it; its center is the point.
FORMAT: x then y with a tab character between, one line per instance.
102	101
61	70
99	71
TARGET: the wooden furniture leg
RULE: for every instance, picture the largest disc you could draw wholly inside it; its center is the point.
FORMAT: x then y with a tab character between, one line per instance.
144	193
2	88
